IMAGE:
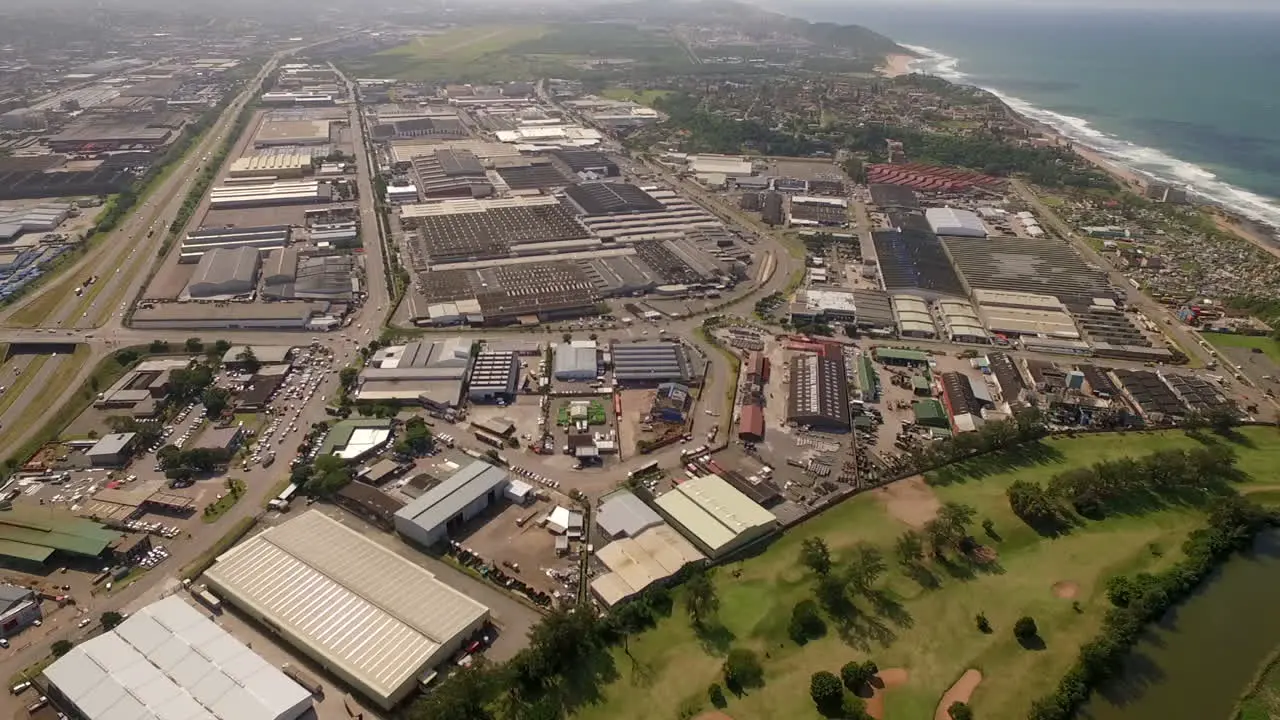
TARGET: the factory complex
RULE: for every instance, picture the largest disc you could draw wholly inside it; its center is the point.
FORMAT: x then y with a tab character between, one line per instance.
356	608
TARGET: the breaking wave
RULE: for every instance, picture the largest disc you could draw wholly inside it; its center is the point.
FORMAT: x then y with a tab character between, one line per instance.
1146	161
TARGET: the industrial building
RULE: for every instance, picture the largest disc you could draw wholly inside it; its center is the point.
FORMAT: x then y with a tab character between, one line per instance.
19	609
818	395
39	219
961	321
444	509
1028	265
716	517
141	387
751	423
199	242
727	165
270	194
812	211
169	660
611	198
915	263
644	363
638	561
38	536
431	373
541	175
276	132
465	231
449	173
492	293
288	274
577	360
494	376
586	164
356	438
267	316
825	306
274	165
622	514
113	450
358	609
225	273
956	223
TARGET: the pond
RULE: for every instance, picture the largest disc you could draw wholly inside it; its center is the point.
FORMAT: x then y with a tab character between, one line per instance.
1199	659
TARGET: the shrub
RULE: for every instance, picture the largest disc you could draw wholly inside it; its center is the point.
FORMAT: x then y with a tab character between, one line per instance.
806	622
960	711
716	696
1025	629
826	691
742	669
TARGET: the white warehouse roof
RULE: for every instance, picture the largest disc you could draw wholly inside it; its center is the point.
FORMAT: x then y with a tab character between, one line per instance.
714	512
171	662
958	223
367	612
635	563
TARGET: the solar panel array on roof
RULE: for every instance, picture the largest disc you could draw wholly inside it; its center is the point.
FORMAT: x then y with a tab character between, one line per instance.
1151	394
1044	266
893	196
587	161
912	260
533	177
658	362
492	232
1007	375
1196	392
602	198
1099	382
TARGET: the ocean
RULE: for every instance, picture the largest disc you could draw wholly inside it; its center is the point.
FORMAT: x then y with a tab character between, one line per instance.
1190	98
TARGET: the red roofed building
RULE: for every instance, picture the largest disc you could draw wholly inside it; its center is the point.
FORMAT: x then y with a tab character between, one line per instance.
751	424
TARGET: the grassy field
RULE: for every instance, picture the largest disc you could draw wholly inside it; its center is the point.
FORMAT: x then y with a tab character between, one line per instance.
643	97
464	54
929	632
1269	347
1262	701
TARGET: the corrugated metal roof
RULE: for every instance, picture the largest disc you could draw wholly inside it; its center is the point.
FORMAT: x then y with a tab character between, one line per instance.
448	498
622	513
55	531
713	510
636	563
348	599
170	662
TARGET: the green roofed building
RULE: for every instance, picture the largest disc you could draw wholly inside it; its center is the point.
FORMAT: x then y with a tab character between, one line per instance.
355	438
34	536
868	380
930	413
920	385
900	356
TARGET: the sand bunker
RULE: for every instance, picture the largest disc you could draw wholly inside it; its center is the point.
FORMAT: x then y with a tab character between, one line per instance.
1065	589
713	715
959	692
889	679
911	501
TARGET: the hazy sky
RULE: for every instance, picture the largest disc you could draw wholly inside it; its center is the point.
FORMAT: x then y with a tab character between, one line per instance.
1183	5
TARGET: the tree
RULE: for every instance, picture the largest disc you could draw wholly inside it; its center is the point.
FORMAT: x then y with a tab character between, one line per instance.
348	376
216	400
463	695
248	361
957	517
806	623
959	711
909	548
984	625
742	669
716	696
61	647
158	346
865	568
701	599
329	474
1025	628
221	347
826	691
111	619
125	358
856	675
815	555
1030	502
194	345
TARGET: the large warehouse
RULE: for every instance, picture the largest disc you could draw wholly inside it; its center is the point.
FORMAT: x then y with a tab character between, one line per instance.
1029	265
225	273
956	223
446	507
819	393
915	263
634	563
714	515
199	242
431	373
495	375
269	194
169	660
355	607
650	363
576	360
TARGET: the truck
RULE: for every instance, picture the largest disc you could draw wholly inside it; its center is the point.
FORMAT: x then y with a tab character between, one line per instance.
207	599
306	681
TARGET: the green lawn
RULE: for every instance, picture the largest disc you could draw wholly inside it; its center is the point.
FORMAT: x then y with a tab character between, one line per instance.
462	54
643	97
1262	702
934	635
1269	347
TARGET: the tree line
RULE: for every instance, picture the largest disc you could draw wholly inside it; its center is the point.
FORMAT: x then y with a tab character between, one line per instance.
1194	475
1233	523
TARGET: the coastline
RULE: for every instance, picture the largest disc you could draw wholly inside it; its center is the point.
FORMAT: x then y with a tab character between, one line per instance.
1226	218
895	65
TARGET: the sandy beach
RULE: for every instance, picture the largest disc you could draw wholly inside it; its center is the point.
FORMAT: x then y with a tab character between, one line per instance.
896	65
